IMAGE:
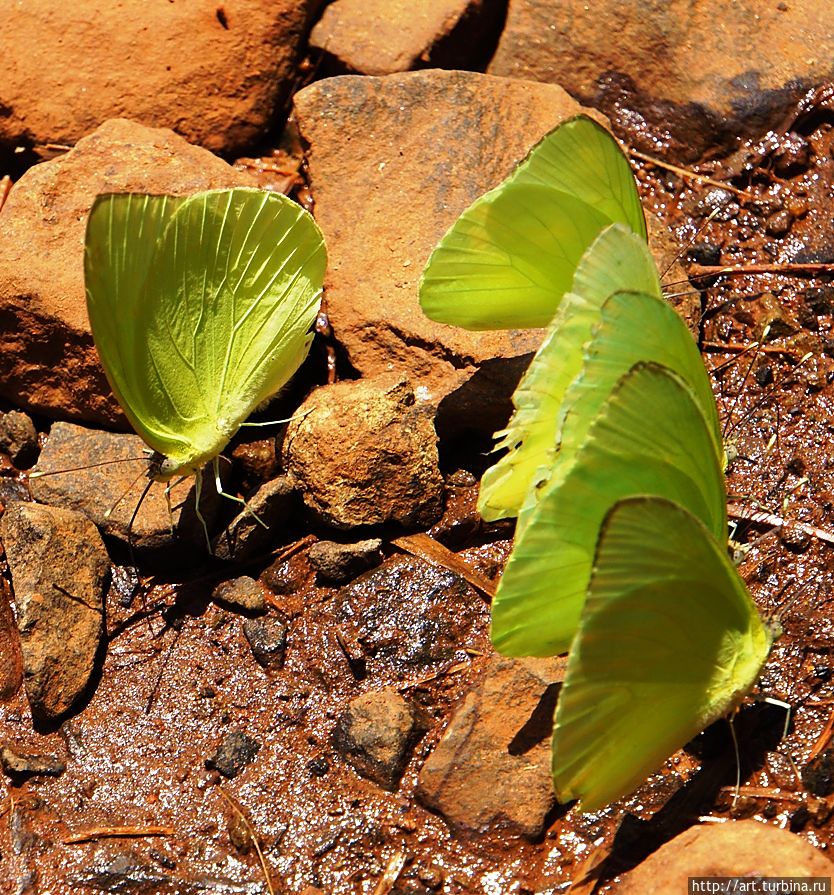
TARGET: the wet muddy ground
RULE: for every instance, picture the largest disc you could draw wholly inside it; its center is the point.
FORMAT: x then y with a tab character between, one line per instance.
179	679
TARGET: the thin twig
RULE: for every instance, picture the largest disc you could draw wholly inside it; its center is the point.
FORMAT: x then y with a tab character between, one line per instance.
235	806
715	270
432	551
751	515
689	175
92	833
390	874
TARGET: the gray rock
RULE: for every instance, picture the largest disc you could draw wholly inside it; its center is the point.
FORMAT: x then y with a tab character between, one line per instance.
60	573
18	438
19	765
341	562
491	768
235	752
376	733
365	452
244	593
267	638
108	486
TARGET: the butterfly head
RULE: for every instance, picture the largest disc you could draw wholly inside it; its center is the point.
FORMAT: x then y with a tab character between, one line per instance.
163	469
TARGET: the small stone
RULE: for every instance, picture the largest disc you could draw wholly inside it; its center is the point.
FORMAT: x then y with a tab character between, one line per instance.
738	849
19	765
499	735
244	593
365	452
267	638
268	510
318	767
818	774
18	438
60	573
792	155
375	735
779	224
235	752
795	539
341	562
705	253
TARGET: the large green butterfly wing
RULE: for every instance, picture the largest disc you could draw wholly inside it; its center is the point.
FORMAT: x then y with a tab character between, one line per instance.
581	158
218	320
633	327
649	438
509	258
618	259
669	641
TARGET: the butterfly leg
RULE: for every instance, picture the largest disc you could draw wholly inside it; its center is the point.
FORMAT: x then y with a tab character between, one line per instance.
219	486
198	490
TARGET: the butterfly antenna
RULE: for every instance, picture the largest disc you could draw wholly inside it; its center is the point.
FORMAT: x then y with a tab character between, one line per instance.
39	474
219	486
109	512
746	376
133	516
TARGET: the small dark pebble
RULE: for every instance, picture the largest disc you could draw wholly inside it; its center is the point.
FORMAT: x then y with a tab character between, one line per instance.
21	765
792	155
240	593
820	299
235	752
704	253
318	767
796	465
124	584
795	540
779	224
818	775
799	818
342	562
18	438
267	638
764	375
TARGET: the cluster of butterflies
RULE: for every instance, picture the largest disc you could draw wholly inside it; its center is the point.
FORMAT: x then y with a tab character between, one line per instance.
202	307
614	468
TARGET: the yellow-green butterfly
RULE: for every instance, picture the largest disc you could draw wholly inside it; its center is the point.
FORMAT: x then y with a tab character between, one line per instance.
669	641
510	257
201	307
668	451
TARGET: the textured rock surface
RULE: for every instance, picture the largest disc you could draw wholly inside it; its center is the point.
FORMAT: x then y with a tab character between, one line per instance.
491	769
393	161
260	523
48	362
215	73
375	734
59	572
244	593
737	848
18	438
700	78
380	37
108	488
363	452
341	562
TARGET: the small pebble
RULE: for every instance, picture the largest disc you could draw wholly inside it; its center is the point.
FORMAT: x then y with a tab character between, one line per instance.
19	765
244	593
18	438
267	638
236	750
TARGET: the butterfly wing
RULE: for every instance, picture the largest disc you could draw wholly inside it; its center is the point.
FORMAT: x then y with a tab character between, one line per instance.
510	257
633	327
123	232
669	641
617	259
580	157
649	438
222	317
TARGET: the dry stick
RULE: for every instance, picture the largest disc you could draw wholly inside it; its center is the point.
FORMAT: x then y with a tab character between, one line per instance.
390	874
432	551
749	515
744	349
801	270
689	175
235	806
92	833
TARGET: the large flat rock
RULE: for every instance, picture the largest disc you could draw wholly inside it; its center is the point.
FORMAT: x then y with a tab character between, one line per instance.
393	161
